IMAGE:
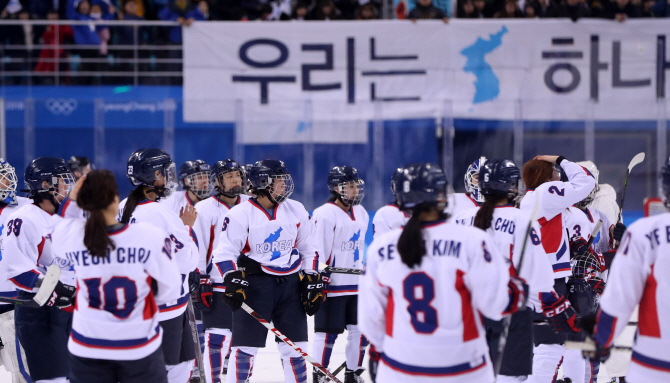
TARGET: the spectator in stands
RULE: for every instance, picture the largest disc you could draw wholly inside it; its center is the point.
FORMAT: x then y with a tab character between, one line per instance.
300	11
621	10
367	11
326	10
510	10
482	9
53	34
661	8
574	9
531	9
203	6
182	11
468	10
647	8
126	34
426	10
102	30
85	35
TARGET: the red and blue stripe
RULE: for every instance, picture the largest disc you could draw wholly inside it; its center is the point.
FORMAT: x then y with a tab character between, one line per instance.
284	270
181	302
120	344
408	369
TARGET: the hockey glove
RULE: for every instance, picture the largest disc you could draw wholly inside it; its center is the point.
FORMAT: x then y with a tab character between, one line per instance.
518	294
618	231
311	286
236	284
204	294
561	316
193	280
578	246
601	353
375	357
62	296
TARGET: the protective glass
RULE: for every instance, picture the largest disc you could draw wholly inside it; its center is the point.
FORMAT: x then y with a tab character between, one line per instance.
281	187
351	192
198	183
8	183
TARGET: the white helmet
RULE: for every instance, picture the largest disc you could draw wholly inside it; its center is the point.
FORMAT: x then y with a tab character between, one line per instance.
591	167
472	184
8	183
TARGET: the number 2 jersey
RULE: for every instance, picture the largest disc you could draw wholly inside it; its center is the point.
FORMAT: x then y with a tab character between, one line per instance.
554	198
116	313
425	320
281	240
639	275
184	247
341	236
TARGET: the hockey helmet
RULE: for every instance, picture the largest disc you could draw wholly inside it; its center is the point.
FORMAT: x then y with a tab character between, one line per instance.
471	182
423	183
143	165
347	184
273	176
52	170
216	177
499	177
8	183
194	176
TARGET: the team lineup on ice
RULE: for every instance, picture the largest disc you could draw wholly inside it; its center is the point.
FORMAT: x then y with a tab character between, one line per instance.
528	276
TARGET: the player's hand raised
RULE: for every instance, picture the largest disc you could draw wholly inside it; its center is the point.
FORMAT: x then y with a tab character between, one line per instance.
77	186
188	215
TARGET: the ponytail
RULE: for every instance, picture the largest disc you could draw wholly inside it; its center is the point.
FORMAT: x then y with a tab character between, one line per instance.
410	243
96	194
134	198
484	216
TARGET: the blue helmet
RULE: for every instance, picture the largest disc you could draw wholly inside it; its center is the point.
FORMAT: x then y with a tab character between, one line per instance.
419	184
338	179
143	165
265	174
80	164
394	180
55	172
194	176
217	180
472	184
665	182
499	178
8	183
582	296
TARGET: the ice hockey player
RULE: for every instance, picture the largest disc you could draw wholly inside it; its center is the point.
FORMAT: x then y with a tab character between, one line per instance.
226	178
115	334
42	331
433	269
194	180
637	277
507	225
472	196
341	225
542	180
604	199
390	217
79	166
152	172
267	258
9	203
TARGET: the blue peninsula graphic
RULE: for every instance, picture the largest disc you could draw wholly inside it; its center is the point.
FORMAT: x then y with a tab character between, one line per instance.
487	85
354	239
271	238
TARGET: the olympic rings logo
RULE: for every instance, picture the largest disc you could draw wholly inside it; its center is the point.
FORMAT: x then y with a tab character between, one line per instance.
61	106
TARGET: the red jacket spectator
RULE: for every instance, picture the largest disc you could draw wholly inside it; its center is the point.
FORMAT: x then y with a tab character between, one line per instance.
47	62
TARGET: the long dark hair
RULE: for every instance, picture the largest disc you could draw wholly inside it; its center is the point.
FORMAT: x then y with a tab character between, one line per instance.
410	243
484	216
536	172
97	193
134	198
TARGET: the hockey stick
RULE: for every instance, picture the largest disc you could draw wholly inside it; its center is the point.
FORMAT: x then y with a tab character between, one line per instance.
590	346
594	233
196	339
43	294
288	342
636	160
343	270
508	319
342	366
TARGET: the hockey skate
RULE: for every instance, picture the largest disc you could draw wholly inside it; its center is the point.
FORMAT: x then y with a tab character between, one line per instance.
318	376
351	376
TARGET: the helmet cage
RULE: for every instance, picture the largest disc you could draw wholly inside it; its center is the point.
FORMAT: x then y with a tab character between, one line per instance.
55	182
191	180
8	183
341	190
472	185
280	196
589	198
217	183
585	266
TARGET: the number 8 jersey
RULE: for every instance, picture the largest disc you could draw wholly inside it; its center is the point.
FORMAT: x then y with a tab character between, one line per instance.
425	320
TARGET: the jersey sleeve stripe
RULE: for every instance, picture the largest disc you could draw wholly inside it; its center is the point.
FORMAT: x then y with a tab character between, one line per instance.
563	266
604	330
650	362
343	289
26	280
63	206
181	302
458	369
122	344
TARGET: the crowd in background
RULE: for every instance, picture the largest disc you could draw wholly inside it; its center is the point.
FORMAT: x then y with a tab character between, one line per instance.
92	49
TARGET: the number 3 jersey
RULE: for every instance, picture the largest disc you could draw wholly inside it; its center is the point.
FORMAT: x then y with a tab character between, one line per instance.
426	319
184	247
341	235
281	240
116	314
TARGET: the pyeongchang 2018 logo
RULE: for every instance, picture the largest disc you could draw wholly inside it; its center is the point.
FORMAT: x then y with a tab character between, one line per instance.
61	106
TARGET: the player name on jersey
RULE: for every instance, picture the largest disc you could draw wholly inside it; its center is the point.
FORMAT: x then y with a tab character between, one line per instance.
120	255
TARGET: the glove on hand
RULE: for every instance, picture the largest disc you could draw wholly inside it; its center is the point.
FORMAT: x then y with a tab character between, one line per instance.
236	284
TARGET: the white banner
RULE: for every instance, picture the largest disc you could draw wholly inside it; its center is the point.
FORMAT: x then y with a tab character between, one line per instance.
323	81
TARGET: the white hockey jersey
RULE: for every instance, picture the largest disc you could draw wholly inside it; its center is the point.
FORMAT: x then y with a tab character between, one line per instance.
507	232
341	236
7	288
177	201
458	202
116	316
184	247
281	240
638	275
208	226
605	201
388	218
426	319
581	223
554	198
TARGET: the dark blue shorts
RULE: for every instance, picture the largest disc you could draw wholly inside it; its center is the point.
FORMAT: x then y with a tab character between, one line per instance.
336	313
276	299
220	316
518	353
177	343
43	333
148	369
